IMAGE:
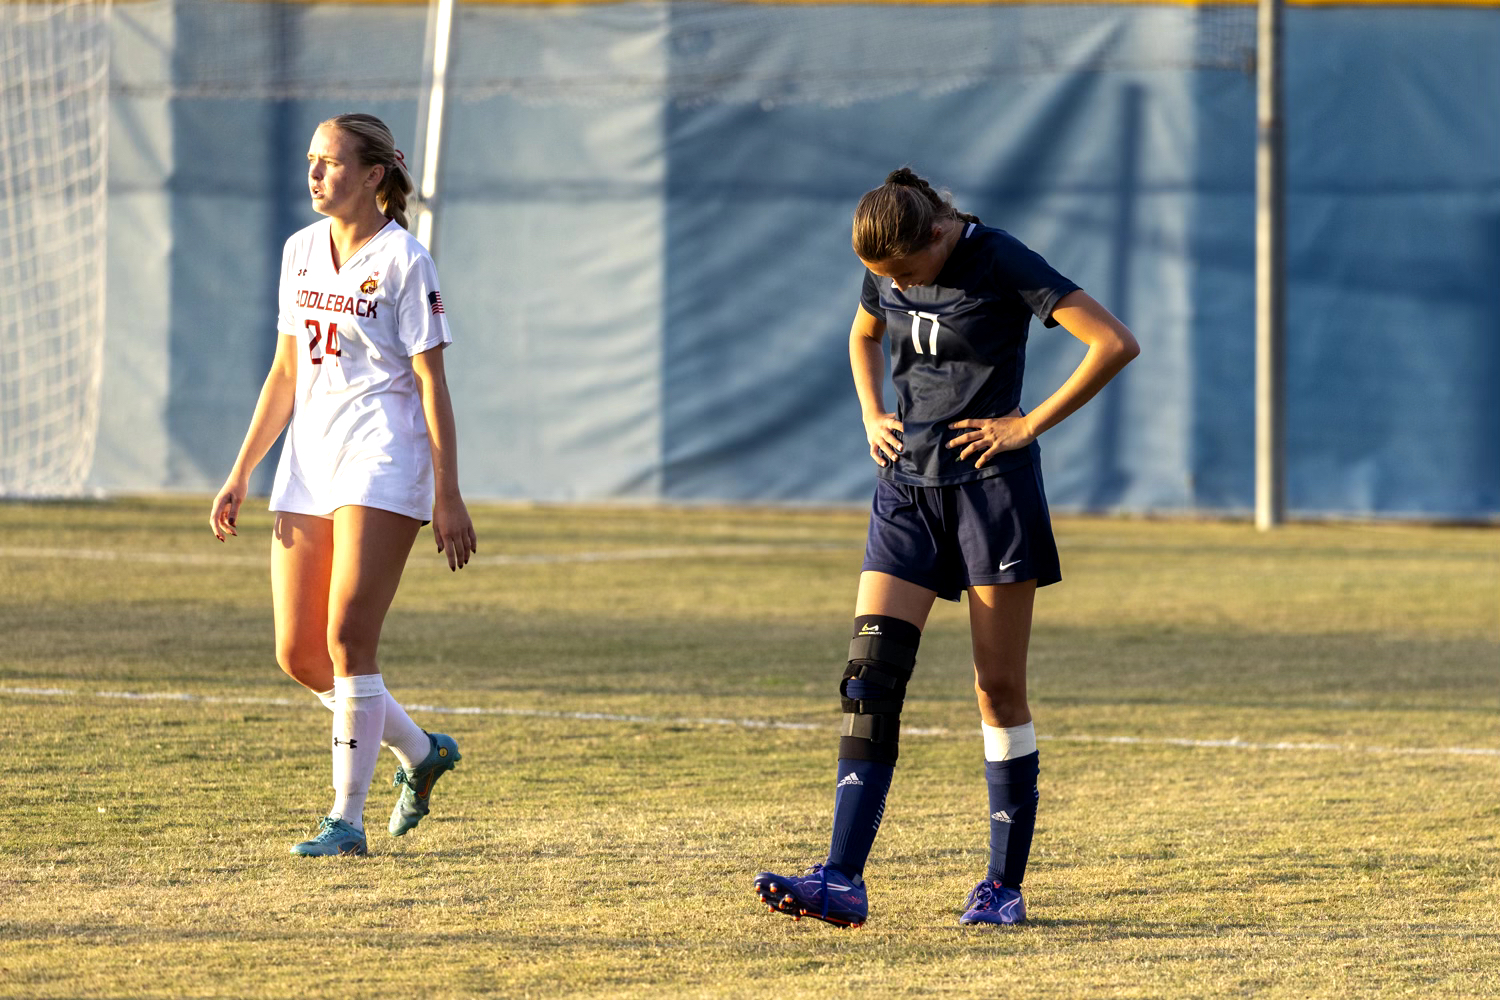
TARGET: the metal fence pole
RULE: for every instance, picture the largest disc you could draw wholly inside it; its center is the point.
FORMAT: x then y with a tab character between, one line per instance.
1270	276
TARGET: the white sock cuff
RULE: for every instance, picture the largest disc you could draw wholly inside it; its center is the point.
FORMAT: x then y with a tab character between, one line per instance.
1007	744
329	698
360	686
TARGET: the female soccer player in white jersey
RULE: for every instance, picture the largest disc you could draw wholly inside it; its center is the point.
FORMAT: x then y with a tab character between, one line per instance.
958	507
370	456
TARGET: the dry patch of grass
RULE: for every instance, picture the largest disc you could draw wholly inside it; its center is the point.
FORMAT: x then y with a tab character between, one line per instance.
146	840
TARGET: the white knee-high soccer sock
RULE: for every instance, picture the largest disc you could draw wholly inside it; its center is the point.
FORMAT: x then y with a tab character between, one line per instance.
358	719
407	740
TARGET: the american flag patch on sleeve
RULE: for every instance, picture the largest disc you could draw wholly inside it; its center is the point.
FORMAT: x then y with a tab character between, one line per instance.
435	299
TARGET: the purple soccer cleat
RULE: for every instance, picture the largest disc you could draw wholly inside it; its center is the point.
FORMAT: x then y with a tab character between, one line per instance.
992	903
821	892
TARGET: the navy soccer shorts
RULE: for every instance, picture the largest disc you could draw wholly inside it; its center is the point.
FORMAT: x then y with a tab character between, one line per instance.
980	533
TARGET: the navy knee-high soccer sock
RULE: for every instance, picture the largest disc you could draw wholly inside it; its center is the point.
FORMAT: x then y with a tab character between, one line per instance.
858	807
882	655
1012	781
858	803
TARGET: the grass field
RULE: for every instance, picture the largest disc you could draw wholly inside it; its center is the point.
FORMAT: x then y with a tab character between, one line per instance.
1270	767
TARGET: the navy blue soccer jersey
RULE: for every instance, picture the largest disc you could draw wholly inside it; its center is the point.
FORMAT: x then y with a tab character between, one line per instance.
958	349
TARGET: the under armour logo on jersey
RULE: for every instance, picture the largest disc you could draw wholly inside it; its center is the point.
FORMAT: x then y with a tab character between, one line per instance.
1002	816
435	299
351	744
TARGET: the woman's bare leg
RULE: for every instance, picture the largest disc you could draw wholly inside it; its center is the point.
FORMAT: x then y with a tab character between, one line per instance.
1000	624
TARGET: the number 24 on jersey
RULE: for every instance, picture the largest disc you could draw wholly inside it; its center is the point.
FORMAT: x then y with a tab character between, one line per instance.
316	352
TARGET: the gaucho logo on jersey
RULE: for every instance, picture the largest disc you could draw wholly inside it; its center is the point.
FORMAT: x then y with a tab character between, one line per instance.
371	283
329	302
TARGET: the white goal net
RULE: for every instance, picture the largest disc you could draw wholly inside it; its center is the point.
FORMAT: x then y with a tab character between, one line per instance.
54	90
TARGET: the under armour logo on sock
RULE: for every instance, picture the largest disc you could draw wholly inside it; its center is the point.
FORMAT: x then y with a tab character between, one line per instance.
351	744
1002	816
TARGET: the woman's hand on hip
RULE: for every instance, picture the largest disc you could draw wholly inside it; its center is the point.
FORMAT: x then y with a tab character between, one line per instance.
883	431
985	437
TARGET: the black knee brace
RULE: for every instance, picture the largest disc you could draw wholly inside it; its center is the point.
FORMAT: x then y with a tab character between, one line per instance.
882	655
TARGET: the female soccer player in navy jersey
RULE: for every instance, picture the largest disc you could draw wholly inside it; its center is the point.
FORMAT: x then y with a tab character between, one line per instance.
958	508
370	456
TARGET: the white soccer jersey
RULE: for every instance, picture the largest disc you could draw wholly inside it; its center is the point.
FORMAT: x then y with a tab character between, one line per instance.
357	434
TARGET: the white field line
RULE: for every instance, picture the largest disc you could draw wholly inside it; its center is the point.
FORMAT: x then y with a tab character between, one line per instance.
661	720
535	559
1239	744
534	713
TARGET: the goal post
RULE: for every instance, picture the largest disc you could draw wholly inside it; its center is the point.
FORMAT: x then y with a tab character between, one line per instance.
437	53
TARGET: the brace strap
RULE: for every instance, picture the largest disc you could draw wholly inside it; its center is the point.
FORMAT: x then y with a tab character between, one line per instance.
875	728
884	650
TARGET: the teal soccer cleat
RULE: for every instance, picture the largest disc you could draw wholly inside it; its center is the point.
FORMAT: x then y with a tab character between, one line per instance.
415	787
334	839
